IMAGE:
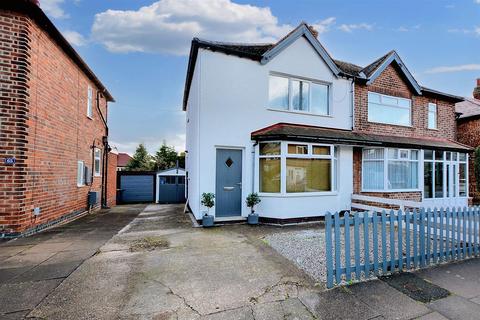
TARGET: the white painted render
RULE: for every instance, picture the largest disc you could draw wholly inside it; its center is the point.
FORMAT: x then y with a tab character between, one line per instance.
228	101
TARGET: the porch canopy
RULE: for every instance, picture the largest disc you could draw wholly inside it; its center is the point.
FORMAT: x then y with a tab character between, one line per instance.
305	133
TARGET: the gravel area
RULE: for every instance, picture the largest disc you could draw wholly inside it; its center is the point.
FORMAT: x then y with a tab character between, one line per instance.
306	248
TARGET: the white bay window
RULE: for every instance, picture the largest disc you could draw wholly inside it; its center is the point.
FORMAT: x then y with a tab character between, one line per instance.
296	168
298	95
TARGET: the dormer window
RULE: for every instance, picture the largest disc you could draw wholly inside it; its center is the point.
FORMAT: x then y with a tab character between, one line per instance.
298	95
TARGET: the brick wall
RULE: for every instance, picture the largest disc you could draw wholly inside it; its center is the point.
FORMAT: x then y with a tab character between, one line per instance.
15	43
112	179
468	132
49	126
390	82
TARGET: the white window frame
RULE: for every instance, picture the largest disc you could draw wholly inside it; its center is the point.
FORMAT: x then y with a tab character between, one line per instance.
381	96
284	155
433	126
81	171
385	160
90	102
290	95
97	155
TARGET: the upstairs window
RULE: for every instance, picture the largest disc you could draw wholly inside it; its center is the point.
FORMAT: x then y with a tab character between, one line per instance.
298	95
90	102
389	110
432	116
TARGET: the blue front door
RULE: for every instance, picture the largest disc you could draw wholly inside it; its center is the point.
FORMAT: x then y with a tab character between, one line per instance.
228	183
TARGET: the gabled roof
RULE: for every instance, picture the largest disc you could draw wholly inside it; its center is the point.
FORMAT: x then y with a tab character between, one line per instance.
296	132
375	69
29	8
264	52
468	108
123	159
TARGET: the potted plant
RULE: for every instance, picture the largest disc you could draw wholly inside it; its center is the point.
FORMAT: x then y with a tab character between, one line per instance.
208	200
252	200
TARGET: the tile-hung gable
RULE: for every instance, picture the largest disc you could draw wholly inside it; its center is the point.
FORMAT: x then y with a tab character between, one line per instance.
316	136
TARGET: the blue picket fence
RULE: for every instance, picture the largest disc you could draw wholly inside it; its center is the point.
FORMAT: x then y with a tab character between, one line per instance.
397	241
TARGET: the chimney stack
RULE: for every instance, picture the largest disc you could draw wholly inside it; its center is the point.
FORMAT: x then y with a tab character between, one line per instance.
313	31
476	91
37	2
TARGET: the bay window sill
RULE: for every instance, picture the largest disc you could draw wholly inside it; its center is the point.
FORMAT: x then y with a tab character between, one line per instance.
298	194
392	191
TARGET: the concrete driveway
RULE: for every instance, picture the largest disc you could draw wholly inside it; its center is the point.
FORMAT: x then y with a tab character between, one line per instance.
31	268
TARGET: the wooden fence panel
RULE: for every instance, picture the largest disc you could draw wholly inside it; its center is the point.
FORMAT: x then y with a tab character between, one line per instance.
431	237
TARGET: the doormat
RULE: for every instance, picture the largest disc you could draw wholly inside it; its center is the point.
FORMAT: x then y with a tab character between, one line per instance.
415	287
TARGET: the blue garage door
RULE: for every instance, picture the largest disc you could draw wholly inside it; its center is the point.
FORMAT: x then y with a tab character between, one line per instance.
137	188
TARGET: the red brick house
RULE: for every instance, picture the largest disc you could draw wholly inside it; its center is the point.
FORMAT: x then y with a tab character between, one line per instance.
123	160
468	127
53	117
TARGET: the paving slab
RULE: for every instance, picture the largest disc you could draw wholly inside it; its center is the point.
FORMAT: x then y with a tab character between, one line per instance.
455	307
432	316
6	252
389	302
475	300
24	260
461	278
243	313
415	287
338	303
23	296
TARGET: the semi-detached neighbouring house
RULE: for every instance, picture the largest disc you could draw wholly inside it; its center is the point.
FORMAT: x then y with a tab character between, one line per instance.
312	134
53	126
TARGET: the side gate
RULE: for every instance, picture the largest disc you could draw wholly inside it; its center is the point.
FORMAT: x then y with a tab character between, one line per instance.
136	186
366	244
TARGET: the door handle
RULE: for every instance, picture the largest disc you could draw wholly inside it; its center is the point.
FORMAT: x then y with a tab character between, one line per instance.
228	188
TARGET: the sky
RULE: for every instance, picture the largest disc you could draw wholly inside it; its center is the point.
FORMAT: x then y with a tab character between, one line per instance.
139	48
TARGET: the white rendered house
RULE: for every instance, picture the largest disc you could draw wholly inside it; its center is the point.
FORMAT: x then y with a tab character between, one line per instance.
280	119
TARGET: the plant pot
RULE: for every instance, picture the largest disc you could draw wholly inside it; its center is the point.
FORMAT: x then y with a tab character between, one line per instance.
252	218
208	221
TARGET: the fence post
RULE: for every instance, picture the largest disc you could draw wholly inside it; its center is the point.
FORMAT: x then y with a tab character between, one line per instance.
464	237
422	237
328	243
384	242
375	242
415	238
435	237
392	241
356	240
448	245
407	238
338	264
442	215
347	246
400	241
459	234
429	236
366	244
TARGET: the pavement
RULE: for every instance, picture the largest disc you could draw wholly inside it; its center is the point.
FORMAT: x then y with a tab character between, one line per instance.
32	268
159	267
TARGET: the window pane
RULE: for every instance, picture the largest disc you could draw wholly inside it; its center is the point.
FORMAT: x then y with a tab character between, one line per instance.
463	179
373	175
463	157
387	114
448	155
297	149
402	175
413	155
181	180
270	175
97	165
272	148
373	154
438	155
167	180
432	120
392	153
373	97
300	95
389	100
428	155
438	180
428	179
309	175
321	150
319	103
278	93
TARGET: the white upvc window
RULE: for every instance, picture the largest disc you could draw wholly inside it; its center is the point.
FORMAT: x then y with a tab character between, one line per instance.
389	109
432	116
97	155
298	95
385	169
297	168
90	102
80	173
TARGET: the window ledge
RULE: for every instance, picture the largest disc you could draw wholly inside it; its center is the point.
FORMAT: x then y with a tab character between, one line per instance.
90	117
300	112
392	191
298	194
391	124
